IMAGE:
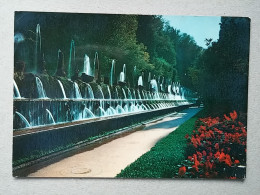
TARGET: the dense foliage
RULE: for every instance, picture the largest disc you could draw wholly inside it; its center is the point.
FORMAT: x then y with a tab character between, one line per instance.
222	69
147	42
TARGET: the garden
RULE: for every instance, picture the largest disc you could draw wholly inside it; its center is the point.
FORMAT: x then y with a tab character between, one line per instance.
203	147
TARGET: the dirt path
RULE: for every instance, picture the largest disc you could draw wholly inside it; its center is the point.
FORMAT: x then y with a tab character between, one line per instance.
109	159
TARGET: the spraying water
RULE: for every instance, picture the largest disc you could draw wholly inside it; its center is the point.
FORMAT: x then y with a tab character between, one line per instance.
50	116
140	81
72	58
119	109
87	112
101	92
40	89
123	90
129	94
62	89
86	67
27	124
38	46
109	92
123	74
110	111
102	111
116	93
16	90
89	92
76	91
112	73
154	85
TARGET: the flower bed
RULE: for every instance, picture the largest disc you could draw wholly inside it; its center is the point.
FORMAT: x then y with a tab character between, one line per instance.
216	149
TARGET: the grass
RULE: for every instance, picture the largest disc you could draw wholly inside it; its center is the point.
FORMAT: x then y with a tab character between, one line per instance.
162	160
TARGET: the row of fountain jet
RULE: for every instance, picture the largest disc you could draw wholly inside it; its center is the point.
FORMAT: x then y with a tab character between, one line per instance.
83	98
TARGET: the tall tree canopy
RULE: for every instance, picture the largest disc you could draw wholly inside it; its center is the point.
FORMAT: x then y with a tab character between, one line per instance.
224	67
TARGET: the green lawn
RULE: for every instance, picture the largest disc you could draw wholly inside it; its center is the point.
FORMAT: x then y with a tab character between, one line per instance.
162	160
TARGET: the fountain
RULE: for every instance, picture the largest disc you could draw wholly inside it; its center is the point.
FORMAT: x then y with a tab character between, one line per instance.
51	119
87	113
62	89
89	92
80	107
123	90
86	68
140	81
154	86
77	93
122	76
40	89
72	59
119	109
16	90
109	92
97	74
112	73
129	94
27	124
38	43
60	71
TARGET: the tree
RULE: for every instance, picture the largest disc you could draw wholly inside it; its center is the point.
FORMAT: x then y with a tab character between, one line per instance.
225	67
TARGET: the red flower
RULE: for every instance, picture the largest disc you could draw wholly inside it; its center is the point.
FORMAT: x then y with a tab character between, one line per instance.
199	155
207	174
217	154
207	134
244	131
182	170
208	165
217	146
228	160
203	128
232	177
236	161
233	115
195	167
236	137
211	133
198	141
222	157
226	117
202	136
240	124
194	141
187	136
